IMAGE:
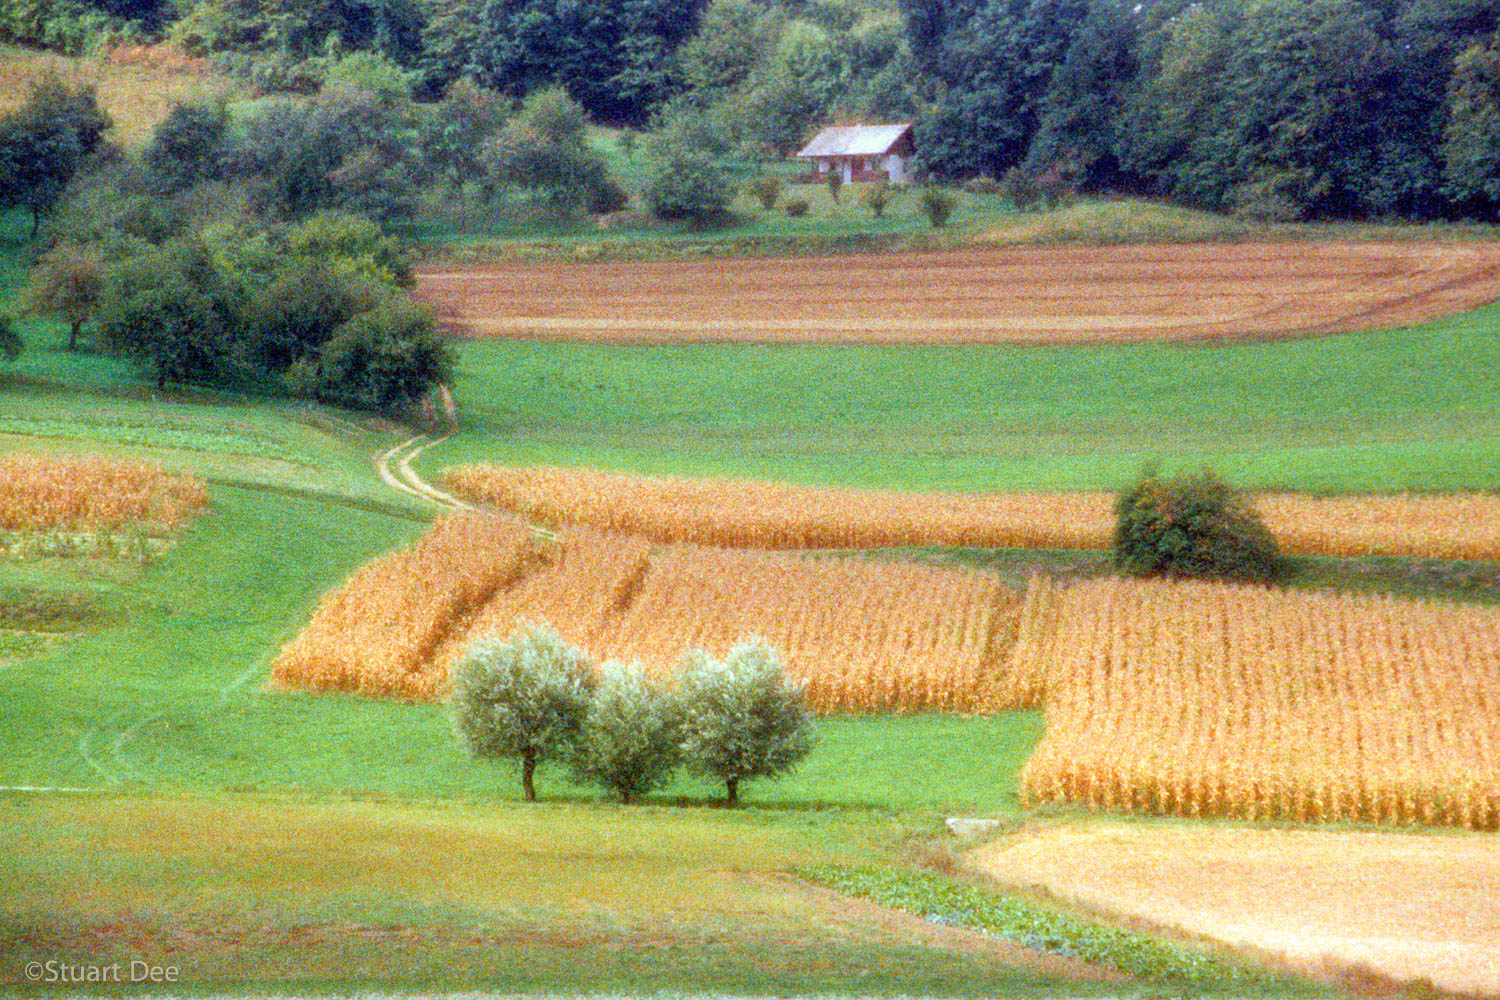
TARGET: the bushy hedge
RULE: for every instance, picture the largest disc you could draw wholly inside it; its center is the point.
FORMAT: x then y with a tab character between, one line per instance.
1194	526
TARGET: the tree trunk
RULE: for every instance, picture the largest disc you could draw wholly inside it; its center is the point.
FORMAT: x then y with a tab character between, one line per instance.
73	336
625	797
528	772
36	222
733	786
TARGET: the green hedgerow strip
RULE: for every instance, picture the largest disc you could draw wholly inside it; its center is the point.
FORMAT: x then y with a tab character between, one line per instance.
944	902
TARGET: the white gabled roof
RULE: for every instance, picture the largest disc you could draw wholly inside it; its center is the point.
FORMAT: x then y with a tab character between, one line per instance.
855	140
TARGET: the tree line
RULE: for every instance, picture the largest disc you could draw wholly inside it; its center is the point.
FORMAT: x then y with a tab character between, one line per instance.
1271	108
245	263
535	700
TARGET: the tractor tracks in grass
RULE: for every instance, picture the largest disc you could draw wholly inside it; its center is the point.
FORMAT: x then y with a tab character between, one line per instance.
103	748
394	465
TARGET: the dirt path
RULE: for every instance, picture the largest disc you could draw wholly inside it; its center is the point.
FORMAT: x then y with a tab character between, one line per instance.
1404	906
394	468
1012	295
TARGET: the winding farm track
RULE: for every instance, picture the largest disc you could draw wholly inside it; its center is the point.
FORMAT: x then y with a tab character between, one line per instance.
1188	292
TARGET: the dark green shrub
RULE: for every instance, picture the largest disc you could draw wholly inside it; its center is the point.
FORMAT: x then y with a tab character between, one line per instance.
686	185
937	205
835	182
1021	188
605	197
10	341
1193	526
766	188
878	196
796	207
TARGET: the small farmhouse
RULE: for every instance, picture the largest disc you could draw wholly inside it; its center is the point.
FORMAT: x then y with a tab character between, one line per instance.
862	152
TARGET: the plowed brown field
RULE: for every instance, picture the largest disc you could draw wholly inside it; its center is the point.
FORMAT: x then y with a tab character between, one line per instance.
1011	295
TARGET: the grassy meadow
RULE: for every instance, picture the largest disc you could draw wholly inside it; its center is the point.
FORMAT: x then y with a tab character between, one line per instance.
1399	410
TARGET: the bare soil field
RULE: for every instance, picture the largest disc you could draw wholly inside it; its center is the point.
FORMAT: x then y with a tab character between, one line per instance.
1404	906
1200	292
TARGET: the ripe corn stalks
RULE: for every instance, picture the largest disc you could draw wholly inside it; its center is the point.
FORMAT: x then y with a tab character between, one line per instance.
764	515
587	577
865	635
379	633
86	493
1199	699
739	513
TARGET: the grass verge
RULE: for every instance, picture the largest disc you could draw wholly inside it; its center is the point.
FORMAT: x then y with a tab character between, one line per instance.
247	893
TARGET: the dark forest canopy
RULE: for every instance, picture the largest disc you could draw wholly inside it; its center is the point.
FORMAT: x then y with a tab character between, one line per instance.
1270	108
1278	108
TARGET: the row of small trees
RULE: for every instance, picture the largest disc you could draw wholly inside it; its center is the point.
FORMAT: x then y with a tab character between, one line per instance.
535	699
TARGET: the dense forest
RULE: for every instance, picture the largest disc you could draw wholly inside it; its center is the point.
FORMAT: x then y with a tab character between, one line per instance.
1273	108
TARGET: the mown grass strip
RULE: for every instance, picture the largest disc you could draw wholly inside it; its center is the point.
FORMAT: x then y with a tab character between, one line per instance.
942	901
153	436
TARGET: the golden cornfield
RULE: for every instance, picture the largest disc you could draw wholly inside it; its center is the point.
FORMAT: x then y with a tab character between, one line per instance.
1198	699
866	635
765	515
1180	698
744	513
379	633
76	493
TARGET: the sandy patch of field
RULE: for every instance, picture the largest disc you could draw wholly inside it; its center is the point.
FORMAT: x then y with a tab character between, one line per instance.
1011	295
1406	906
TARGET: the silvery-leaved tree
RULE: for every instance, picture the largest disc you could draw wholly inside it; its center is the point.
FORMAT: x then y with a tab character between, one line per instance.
629	738
741	718
524	698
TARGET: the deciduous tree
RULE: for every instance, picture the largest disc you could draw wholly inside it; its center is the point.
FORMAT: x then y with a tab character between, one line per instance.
741	718
628	742
67	281
524	698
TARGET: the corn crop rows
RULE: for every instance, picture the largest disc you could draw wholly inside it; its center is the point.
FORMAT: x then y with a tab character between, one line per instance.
864	634
1209	700
763	515
587	576
72	493
740	513
379	633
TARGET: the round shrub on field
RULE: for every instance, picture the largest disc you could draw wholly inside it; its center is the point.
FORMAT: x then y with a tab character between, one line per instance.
688	186
1195	527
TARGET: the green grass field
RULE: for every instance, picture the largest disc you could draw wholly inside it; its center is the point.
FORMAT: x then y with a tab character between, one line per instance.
1412	409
